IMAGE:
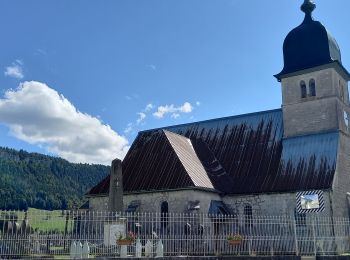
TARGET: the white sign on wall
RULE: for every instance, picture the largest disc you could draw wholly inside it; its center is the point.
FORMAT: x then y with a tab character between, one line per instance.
310	201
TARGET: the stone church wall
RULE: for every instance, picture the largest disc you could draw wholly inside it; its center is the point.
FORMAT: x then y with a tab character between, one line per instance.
178	201
273	204
310	117
311	114
341	182
324	85
98	203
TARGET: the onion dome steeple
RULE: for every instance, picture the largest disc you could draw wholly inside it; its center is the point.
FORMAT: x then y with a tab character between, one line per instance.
309	45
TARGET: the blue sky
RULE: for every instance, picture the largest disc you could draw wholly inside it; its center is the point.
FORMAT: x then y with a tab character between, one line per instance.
92	67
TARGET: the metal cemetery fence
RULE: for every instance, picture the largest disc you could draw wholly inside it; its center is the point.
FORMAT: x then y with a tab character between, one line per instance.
59	234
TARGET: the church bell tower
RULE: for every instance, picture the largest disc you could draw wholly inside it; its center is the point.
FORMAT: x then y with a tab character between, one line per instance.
314	82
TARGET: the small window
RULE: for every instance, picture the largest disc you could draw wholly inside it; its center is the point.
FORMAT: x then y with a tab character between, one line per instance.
164	209
248	216
312	88
303	89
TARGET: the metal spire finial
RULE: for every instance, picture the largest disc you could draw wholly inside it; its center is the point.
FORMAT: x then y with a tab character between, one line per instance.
308	6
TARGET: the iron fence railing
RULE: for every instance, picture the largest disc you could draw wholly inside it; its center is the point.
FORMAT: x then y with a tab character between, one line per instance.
53	234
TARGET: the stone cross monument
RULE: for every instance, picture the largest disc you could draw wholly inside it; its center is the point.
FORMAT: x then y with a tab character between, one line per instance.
116	187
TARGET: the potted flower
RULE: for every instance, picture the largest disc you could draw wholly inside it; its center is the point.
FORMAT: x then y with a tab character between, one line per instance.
127	240
234	239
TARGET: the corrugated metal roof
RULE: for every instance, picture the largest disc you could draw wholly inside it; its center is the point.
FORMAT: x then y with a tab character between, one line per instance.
152	164
221	180
307	162
241	154
189	159
248	147
102	188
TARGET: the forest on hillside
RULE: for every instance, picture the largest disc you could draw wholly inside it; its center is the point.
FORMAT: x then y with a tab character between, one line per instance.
44	182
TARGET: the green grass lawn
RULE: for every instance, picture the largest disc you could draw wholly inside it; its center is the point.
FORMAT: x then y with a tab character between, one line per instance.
46	221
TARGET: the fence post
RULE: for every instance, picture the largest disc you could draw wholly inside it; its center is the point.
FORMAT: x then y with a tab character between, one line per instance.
314	236
296	237
65	229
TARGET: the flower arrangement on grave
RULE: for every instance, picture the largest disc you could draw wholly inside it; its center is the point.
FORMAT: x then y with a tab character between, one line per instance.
127	240
235	239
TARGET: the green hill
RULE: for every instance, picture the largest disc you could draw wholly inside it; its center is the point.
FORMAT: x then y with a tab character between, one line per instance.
44	182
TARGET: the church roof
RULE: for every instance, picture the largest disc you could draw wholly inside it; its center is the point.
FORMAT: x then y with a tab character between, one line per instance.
309	45
187	155
233	155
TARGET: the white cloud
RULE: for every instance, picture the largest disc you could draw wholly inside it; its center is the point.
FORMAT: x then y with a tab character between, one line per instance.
163	110
20	62
39	115
132	97
186	108
141	117
175	115
128	129
198	103
15	70
149	107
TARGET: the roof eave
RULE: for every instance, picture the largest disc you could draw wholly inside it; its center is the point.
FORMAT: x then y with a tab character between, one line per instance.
334	64
155	191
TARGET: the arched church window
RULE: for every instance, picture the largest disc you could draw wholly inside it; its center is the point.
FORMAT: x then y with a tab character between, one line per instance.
248	215
303	89
164	207
312	88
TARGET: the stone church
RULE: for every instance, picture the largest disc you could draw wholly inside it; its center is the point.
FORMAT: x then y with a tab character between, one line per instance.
292	160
